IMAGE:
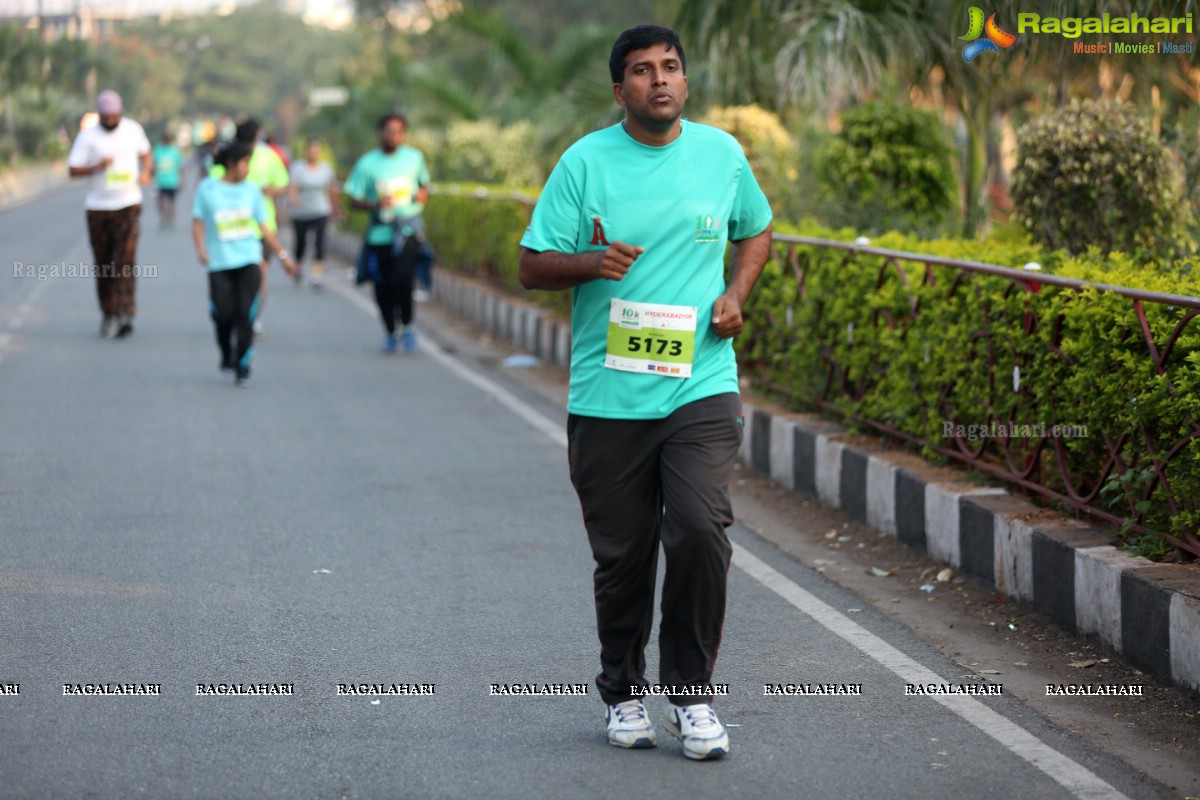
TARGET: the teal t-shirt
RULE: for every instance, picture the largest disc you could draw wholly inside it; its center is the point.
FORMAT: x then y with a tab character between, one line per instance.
266	171
683	203
400	175
168	165
231	213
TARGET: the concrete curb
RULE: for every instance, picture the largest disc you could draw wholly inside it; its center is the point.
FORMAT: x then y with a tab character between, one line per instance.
1148	613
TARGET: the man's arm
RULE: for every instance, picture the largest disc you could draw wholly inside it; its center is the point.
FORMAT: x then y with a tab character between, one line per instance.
81	172
363	205
749	258
552	270
147	171
356	190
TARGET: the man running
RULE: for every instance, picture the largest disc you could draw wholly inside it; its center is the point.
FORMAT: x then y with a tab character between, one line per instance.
392	182
114	156
635	220
168	175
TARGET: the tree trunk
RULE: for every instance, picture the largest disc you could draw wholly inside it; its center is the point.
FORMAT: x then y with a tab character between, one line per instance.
975	206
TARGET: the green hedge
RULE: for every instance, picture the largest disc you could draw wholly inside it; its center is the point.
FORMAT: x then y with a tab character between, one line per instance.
477	231
852	336
1081	355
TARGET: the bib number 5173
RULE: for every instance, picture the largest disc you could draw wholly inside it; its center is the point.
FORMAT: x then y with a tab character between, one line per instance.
654	346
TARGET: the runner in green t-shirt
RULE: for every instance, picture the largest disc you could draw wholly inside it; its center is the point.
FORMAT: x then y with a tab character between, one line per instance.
635	220
168	176
392	182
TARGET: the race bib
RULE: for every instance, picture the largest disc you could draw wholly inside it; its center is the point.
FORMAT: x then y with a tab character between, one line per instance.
234	224
651	338
118	178
165	165
400	189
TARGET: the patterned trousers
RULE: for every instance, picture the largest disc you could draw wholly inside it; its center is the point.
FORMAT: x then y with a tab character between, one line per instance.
114	237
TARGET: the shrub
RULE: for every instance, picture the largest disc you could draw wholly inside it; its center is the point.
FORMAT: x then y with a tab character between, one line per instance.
483	152
477	231
1094	174
889	168
772	152
894	343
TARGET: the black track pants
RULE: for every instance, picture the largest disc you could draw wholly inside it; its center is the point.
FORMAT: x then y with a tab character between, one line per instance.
645	482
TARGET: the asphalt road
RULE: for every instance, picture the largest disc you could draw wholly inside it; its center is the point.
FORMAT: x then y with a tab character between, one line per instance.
358	518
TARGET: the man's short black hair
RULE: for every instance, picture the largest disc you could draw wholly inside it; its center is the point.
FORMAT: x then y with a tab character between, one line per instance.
388	117
247	131
640	38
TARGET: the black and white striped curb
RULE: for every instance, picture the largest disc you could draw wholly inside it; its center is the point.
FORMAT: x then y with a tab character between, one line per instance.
1149	613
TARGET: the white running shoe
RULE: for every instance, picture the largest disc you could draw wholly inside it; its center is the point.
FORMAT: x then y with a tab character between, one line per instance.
629	725
702	734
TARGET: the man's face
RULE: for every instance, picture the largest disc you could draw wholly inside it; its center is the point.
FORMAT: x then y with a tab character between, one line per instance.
392	135
110	121
655	88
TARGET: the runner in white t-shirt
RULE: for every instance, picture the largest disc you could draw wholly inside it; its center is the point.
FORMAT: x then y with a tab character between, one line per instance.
114	156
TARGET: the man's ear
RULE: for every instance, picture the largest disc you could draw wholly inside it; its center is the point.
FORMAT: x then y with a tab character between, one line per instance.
619	94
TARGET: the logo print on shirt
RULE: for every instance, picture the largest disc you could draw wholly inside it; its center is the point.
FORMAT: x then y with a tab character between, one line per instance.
598	236
708	228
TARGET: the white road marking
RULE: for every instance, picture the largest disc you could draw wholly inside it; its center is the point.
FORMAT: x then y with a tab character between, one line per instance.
549	428
1072	776
21	316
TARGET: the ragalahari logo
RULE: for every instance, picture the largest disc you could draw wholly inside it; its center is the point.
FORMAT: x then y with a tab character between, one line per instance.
995	40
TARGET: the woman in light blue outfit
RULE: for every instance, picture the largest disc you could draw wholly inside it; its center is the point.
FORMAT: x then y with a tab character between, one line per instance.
227	215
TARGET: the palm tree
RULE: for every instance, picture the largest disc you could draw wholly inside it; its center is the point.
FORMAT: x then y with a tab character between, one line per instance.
831	52
564	89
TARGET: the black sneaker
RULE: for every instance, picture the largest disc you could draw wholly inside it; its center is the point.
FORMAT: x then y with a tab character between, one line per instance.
243	378
124	326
